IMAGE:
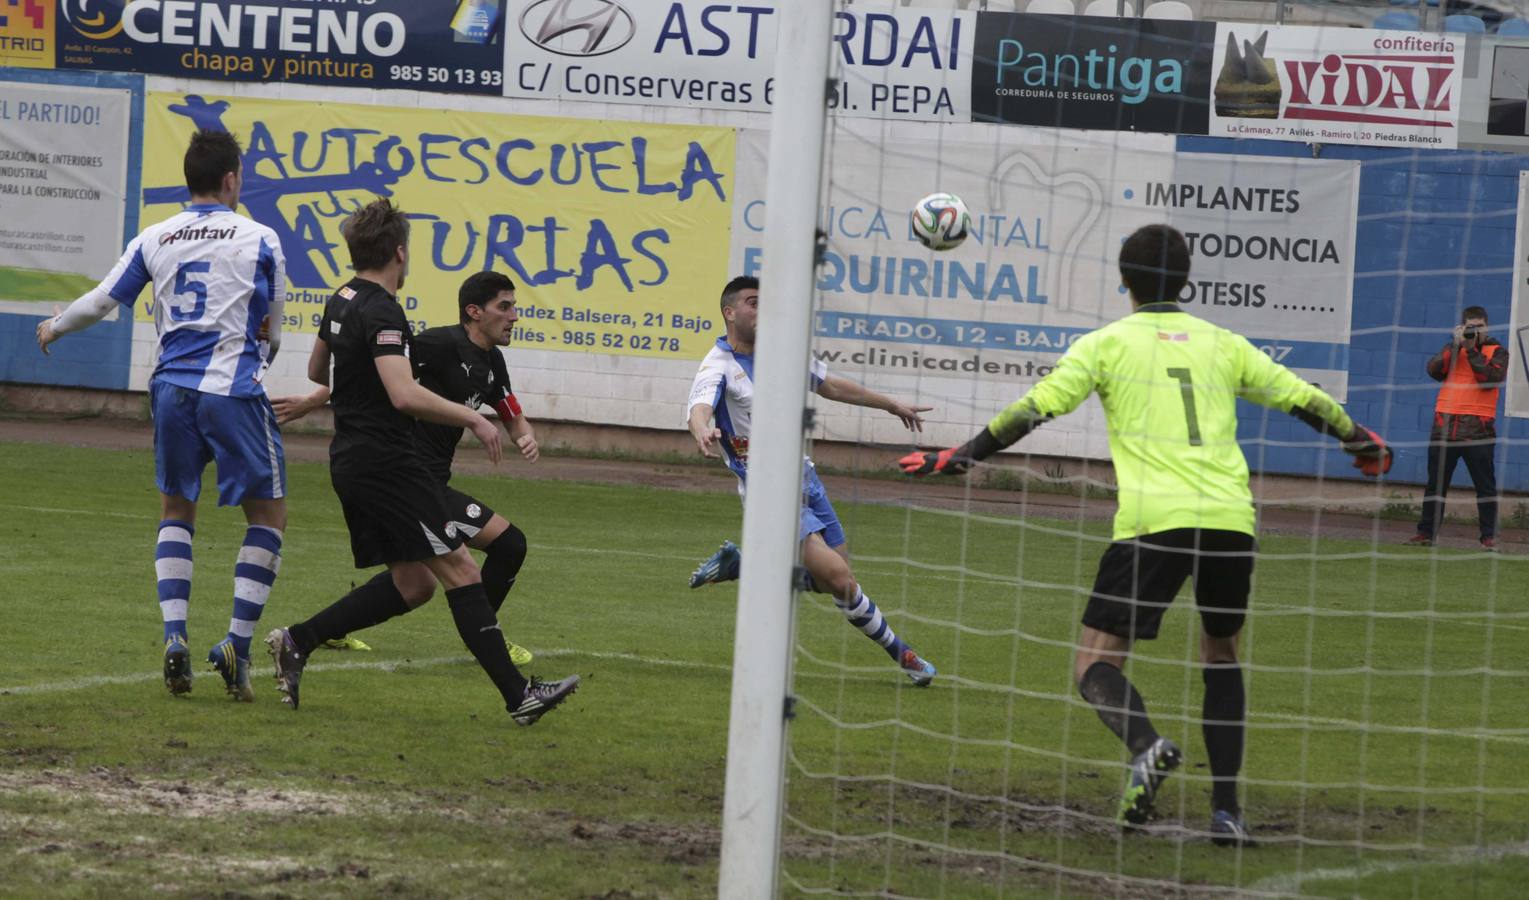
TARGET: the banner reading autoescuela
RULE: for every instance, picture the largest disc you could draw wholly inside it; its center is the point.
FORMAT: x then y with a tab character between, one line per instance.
615	233
427	45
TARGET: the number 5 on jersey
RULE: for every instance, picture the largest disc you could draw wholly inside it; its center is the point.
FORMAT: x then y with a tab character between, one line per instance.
182	311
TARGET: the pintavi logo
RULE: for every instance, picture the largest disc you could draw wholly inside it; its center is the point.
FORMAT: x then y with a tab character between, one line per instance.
578	27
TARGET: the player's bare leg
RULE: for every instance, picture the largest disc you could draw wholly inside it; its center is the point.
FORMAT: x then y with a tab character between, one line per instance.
831	574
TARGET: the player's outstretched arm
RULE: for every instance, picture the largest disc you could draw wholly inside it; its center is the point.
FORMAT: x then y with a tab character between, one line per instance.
845	391
706	435
1270	384
84	312
409	398
290	409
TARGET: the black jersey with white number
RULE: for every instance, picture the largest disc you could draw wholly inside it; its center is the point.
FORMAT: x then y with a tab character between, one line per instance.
362	321
448	363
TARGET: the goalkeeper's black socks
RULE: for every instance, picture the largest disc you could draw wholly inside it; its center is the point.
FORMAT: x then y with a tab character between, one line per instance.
480	632
1119	706
370	604
1224	711
505	557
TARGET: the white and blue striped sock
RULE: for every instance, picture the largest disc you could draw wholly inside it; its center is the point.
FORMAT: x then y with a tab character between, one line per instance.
172	566
864	615
259	561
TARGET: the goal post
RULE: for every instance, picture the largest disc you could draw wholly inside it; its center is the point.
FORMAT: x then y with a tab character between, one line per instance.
762	643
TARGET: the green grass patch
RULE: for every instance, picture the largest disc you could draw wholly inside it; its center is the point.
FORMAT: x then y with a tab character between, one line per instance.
1387	695
43	286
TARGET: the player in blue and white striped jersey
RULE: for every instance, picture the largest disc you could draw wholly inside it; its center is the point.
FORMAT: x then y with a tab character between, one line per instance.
219	284
723	393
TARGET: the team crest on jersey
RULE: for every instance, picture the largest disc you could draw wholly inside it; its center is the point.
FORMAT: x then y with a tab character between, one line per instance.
346	293
474	510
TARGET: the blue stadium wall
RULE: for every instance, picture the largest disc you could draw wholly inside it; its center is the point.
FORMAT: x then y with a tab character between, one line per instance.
1436	234
98	357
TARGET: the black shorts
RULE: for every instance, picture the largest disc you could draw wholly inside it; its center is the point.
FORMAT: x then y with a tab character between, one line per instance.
467	513
1139	578
398	515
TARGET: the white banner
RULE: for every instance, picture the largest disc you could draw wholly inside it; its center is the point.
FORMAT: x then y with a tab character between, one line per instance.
1272	243
891	64
63	164
1337	85
1517	403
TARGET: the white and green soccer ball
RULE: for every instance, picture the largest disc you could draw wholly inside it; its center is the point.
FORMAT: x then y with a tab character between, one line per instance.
940	221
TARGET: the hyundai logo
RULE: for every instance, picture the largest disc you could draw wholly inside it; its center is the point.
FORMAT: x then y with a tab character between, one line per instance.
578	27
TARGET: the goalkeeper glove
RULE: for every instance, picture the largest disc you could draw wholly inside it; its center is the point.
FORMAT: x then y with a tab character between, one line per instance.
1371	455
945	462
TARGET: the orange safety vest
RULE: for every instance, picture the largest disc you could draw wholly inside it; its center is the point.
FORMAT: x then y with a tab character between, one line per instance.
1462	395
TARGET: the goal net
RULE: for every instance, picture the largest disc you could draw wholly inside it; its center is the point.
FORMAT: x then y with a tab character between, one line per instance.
1385	738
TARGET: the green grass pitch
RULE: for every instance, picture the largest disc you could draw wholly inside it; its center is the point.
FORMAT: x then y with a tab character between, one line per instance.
1383	750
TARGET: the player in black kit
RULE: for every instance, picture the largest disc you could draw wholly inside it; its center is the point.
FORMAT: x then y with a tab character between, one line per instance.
462	363
395	509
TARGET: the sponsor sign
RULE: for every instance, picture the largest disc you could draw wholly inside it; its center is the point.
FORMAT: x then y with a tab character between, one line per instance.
1517	402
63	166
1272	243
1342	86
1495	114
892	64
1086	72
429	45
615	233
26	34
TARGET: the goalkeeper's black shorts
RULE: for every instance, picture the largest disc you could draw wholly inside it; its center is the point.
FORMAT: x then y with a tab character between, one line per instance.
1139	578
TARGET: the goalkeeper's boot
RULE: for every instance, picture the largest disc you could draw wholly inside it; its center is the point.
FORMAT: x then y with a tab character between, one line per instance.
917	668
234	669
541	697
1227	829
519	655
1148	770
722	566
289	664
177	665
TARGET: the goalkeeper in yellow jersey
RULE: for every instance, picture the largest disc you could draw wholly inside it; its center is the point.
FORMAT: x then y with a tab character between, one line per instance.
1168	383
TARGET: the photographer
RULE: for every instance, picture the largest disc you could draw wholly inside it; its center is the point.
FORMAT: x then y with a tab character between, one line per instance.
1472	367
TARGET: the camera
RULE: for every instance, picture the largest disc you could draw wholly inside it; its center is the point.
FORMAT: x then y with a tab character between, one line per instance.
1471	332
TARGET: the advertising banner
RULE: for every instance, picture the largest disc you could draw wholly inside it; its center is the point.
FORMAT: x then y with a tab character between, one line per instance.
63	168
615	233
891	64
1272	243
1495	114
427	45
1517	402
1338	86
26	34
1087	72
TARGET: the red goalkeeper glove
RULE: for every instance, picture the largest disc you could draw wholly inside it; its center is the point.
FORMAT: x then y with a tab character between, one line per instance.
945	462
1371	454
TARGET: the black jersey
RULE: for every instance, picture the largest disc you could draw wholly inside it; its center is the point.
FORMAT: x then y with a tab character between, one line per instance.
362	321
448	363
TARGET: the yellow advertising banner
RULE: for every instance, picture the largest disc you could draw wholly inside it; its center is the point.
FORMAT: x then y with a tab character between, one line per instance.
26	34
616	234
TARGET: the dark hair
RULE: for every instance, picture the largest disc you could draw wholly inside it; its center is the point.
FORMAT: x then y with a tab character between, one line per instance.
210	156
479	289
1474	312
373	233
741	283
1154	263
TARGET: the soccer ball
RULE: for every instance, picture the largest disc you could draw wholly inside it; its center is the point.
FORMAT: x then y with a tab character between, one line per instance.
940	221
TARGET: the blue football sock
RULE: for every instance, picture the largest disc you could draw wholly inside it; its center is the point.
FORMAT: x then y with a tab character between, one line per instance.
172	566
